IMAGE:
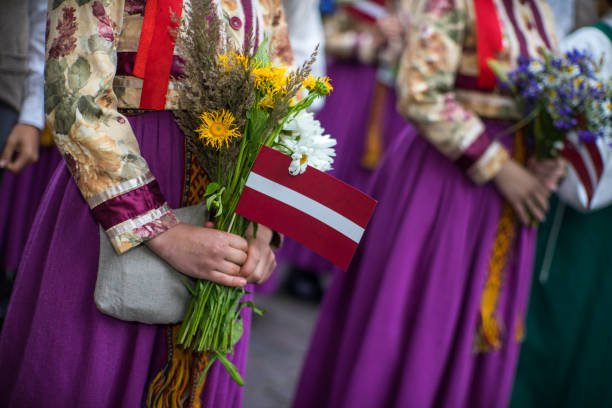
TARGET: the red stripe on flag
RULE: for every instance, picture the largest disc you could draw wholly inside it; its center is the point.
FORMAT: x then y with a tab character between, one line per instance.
596	158
316	185
576	162
303	228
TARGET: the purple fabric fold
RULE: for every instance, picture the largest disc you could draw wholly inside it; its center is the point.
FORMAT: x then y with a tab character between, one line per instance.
129	205
56	349
125	64
397	329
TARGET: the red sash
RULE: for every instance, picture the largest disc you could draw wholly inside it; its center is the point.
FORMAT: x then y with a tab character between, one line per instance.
155	51
488	41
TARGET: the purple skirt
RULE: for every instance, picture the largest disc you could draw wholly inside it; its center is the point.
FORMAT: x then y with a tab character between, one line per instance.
20	195
397	329
57	350
345	116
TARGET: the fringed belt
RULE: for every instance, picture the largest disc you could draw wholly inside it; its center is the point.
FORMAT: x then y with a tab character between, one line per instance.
488	336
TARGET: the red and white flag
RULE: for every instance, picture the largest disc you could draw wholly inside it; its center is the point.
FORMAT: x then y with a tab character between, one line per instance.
315	209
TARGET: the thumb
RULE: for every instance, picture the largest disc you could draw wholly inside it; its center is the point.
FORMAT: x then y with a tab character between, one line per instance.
8	152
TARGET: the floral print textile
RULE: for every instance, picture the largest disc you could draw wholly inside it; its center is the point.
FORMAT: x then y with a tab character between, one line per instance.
83	96
439	68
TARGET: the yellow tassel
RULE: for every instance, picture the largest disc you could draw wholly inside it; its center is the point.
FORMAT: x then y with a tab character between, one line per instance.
373	150
175	385
489	332
46	138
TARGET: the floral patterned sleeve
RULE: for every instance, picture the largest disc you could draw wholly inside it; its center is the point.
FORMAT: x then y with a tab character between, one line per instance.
428	69
96	141
276	23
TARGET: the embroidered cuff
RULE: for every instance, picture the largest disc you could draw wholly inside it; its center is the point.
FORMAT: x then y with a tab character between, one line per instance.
489	164
132	212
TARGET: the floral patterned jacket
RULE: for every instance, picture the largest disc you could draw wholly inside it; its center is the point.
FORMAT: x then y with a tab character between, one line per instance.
91	47
439	69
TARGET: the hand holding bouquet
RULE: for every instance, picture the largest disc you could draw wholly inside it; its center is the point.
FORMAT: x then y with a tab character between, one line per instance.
235	103
558	96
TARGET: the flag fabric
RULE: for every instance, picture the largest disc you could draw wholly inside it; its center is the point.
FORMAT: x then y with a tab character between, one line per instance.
315	209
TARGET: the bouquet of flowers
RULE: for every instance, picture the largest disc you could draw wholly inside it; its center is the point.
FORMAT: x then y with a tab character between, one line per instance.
234	104
558	96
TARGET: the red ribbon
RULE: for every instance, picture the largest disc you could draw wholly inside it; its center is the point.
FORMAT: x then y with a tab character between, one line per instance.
488	41
155	51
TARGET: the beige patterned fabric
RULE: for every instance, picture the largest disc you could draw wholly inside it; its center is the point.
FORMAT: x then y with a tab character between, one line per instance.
83	95
441	53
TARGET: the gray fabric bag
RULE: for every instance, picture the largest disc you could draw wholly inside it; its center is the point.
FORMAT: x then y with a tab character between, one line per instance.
140	286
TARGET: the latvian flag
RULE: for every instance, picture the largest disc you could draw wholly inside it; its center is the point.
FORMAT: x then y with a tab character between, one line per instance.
369	10
315	209
588	184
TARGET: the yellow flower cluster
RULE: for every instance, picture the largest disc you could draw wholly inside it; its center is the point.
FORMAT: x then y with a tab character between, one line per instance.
233	59
270	81
318	85
217	128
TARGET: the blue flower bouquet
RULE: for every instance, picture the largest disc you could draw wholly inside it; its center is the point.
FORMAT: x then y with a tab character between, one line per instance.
558	97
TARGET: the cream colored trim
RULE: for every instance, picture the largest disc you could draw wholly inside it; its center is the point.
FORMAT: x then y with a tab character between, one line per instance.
136	83
470	136
120	188
132	224
488	105
489	163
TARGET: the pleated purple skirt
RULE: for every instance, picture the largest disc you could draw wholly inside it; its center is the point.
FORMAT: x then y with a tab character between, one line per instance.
56	349
20	195
397	329
345	116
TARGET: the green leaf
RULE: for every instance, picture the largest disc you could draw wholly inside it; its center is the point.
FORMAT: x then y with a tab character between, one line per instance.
231	368
211	188
78	74
97	43
65	115
89	108
261	55
54	70
257	125
82	2
250	304
237	330
203	374
55	92
501	73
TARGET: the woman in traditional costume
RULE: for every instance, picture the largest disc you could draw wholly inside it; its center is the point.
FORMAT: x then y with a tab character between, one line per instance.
362	45
565	359
22	183
430	311
131	166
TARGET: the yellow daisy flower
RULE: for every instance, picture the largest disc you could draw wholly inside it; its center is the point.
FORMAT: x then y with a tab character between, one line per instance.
319	85
217	128
325	81
270	79
310	83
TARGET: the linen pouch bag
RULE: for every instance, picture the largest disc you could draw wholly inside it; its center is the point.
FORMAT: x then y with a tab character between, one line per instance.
140	286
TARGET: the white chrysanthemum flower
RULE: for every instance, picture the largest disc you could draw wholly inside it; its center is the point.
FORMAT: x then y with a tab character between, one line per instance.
303	135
